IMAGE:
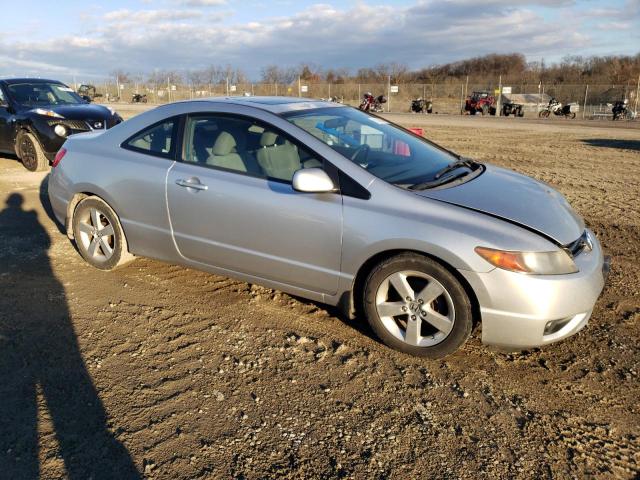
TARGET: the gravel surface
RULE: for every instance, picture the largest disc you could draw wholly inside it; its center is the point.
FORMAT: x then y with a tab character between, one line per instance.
159	371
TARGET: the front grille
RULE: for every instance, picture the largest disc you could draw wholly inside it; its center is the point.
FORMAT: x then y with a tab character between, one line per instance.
77	125
577	247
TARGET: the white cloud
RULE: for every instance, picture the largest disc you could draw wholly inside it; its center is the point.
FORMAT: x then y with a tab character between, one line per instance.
146	17
427	32
203	3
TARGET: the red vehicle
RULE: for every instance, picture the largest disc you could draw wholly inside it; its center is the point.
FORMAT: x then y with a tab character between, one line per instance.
372	104
480	102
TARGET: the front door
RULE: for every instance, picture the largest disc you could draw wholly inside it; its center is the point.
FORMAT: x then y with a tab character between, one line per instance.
232	206
6	125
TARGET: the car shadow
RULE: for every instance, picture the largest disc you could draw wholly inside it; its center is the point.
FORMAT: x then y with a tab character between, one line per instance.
633	145
41	364
46	204
358	322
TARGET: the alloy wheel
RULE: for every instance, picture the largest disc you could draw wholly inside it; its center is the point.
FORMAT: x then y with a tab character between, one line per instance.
28	152
415	308
97	236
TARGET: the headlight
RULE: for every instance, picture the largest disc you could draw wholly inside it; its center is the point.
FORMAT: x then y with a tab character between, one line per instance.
541	263
47	113
60	130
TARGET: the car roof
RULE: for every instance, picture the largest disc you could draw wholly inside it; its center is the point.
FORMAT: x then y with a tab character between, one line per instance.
270	103
12	81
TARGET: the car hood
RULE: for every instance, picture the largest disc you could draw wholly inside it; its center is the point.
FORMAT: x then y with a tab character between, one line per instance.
82	111
516	198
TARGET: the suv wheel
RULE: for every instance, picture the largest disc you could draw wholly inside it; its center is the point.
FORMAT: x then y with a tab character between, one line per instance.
417	306
30	152
98	235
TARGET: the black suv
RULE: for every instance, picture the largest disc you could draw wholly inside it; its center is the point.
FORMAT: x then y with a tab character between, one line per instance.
36	116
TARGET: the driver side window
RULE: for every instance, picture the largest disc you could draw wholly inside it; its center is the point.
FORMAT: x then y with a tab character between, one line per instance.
245	146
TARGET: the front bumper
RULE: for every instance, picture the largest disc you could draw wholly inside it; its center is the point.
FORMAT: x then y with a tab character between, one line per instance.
524	311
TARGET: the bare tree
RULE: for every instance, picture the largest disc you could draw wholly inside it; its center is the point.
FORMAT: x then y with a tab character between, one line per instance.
276	74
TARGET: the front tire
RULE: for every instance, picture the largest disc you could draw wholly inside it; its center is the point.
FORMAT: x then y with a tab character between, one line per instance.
98	235
415	305
31	153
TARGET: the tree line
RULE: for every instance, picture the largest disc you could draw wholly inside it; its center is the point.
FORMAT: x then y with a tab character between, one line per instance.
513	68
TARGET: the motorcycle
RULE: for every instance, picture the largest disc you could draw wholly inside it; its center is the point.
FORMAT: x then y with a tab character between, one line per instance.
555	107
419	106
620	111
372	104
139	98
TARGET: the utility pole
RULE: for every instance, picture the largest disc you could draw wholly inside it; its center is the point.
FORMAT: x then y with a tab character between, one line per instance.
227	85
635	108
584	107
299	87
499	96
388	93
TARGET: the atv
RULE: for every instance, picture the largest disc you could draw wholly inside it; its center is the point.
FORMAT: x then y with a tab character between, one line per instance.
515	109
480	102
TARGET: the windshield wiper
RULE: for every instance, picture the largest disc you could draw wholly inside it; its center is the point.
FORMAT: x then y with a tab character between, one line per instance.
461	162
437	178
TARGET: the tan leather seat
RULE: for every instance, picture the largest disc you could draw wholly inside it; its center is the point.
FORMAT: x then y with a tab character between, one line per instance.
277	160
224	154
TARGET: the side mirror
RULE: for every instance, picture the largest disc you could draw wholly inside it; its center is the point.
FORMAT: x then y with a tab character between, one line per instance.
312	180
86	98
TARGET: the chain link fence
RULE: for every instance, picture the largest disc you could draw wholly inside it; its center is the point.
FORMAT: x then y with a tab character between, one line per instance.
447	98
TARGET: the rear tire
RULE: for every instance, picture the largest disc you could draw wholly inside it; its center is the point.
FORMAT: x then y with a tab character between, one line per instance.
31	153
571	115
98	235
427	314
544	114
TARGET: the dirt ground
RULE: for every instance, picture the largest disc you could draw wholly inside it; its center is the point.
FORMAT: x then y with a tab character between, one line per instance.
158	371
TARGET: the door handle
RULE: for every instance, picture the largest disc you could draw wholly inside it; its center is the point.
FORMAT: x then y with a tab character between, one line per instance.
186	183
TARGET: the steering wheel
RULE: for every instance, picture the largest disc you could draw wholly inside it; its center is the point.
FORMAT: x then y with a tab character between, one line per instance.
361	151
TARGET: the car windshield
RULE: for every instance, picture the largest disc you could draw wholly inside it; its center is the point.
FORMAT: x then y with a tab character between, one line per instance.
40	93
386	150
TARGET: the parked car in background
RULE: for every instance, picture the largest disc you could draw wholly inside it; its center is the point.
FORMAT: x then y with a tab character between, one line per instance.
332	204
37	116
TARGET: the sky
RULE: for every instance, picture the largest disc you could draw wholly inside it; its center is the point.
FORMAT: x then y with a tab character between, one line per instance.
88	40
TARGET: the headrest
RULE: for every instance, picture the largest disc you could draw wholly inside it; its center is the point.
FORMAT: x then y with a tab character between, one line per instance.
268	139
225	143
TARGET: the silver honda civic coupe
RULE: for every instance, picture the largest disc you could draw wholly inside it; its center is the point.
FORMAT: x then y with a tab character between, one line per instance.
337	206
